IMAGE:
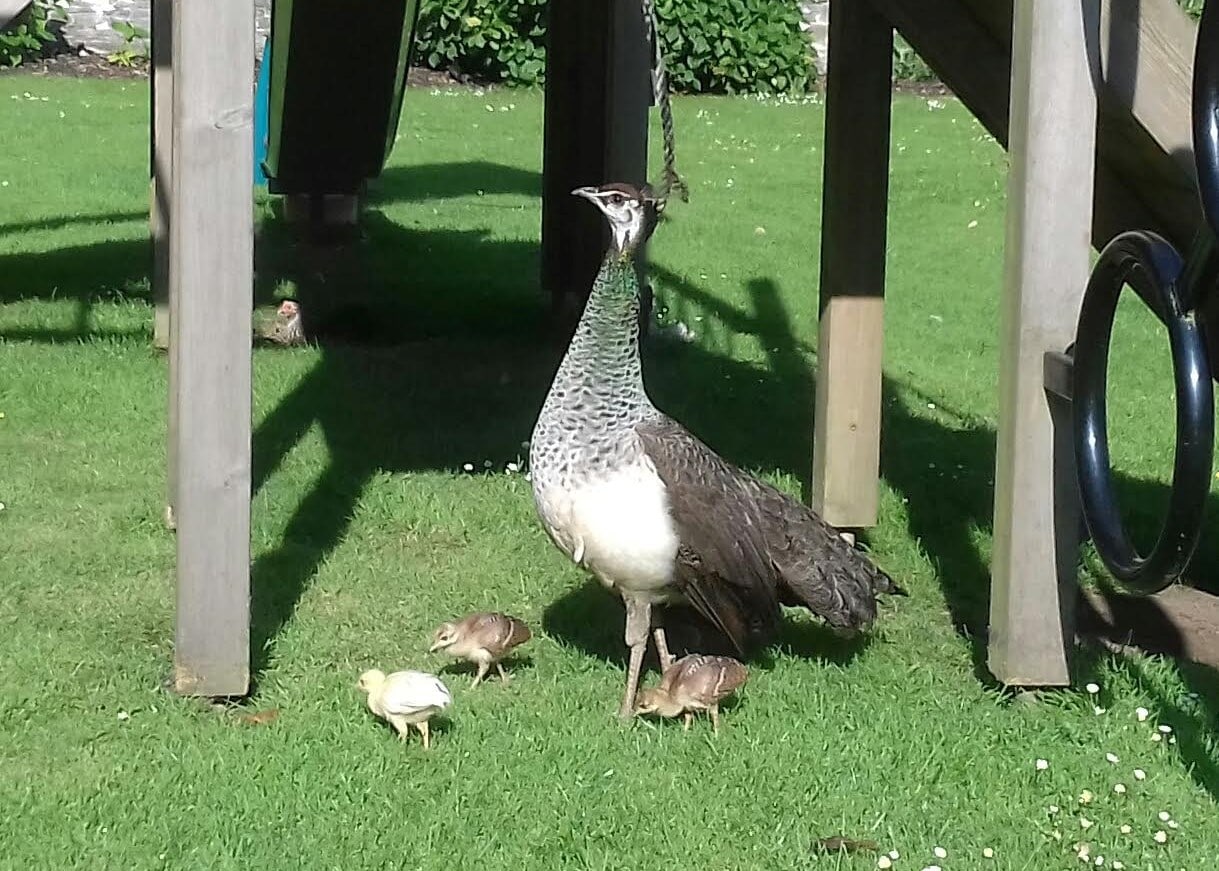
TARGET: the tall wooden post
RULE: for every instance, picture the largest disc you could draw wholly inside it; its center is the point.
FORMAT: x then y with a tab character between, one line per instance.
161	171
161	163
212	271
595	131
846	439
1050	184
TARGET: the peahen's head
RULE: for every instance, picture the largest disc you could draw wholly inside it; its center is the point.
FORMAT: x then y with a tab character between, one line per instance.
630	211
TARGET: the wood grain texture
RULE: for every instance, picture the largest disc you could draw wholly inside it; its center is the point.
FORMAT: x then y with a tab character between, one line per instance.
211	227
846	438
161	173
1144	178
1052	146
594	132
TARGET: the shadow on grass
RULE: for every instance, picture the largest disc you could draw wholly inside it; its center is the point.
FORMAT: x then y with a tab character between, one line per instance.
436	352
517	664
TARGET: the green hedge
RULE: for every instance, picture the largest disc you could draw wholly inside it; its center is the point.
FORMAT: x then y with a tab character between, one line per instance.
30	34
714	46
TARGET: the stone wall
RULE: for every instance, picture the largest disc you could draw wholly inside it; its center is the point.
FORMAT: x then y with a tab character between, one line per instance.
89	22
817	26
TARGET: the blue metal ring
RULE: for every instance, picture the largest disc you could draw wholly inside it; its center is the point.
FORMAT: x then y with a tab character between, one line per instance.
1153	268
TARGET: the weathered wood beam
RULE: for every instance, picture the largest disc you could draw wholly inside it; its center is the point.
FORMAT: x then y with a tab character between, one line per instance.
211	232
161	163
968	43
594	131
855	197
161	178
1036	522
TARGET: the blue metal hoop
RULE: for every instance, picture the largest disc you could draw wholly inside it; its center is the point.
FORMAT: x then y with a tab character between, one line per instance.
1153	268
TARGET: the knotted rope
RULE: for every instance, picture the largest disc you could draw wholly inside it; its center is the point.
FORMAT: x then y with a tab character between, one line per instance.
670	181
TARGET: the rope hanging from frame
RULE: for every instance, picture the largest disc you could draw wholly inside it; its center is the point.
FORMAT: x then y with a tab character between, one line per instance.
670	181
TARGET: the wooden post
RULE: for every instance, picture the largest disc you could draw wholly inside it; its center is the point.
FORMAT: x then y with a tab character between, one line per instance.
211	226
1052	144
595	126
846	439
161	168
161	173
628	95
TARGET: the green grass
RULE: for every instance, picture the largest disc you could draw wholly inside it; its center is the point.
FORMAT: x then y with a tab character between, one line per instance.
367	533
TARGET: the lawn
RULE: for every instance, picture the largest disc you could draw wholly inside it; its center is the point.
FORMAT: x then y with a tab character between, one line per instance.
369	531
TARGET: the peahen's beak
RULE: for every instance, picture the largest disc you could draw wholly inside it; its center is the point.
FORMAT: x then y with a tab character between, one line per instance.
589	193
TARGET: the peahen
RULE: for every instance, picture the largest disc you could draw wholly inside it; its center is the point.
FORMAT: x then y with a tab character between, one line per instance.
656	515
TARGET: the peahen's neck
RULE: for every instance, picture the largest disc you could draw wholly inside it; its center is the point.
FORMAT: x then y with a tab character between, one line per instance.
601	370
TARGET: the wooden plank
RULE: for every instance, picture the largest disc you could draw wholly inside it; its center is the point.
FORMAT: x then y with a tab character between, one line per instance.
968	58
1147	62
594	131
1138	185
1180	621
161	177
573	150
10	9
211	226
627	98
846	438
161	169
628	94
1052	144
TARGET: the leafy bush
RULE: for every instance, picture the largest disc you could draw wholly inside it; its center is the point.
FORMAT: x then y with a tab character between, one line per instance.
1193	8
718	46
908	65
135	45
30	35
491	40
735	46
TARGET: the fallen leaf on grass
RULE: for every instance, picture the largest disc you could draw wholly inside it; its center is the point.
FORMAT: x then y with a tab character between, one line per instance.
838	843
260	718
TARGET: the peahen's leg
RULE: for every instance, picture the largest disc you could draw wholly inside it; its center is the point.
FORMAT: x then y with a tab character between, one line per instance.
662	643
638	621
662	648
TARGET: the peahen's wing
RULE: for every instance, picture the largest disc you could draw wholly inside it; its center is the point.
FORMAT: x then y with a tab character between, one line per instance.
722	564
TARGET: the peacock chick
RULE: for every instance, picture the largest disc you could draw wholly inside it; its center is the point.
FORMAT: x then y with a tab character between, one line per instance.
483	638
405	699
693	683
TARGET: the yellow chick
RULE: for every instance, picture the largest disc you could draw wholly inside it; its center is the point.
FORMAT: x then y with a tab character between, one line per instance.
484	638
693	683
405	699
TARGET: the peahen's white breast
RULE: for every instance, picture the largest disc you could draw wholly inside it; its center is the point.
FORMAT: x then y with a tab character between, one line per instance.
617	525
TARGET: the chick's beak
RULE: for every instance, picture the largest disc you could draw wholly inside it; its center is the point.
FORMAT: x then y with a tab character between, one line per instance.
436	645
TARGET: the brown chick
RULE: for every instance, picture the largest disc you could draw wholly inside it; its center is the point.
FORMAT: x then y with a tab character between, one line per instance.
484	638
693	683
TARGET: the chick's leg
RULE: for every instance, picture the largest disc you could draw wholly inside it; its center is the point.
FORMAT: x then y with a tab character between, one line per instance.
714	710
503	675
689	718
423	730
638	621
482	672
